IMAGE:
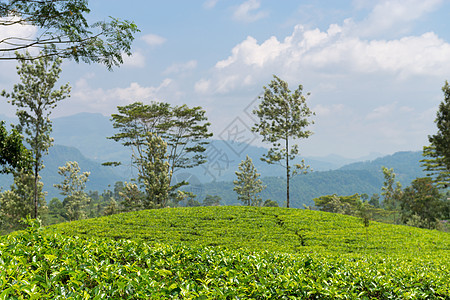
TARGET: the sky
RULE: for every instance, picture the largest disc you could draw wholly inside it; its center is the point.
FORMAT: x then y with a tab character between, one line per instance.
374	69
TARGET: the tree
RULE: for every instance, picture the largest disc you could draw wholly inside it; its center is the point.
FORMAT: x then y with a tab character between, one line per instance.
35	97
248	185
64	31
347	205
184	129
435	167
270	203
17	203
72	187
154	172
211	200
132	197
283	116
375	200
421	203
112	208
441	140
13	154
391	190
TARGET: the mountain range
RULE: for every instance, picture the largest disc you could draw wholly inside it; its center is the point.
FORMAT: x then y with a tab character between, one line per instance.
83	138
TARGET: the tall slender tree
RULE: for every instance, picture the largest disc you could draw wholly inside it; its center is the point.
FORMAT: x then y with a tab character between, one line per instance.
35	97
283	116
248	185
437	154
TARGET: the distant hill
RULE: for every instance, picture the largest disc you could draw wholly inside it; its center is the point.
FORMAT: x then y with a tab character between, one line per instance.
363	177
99	178
82	137
406	165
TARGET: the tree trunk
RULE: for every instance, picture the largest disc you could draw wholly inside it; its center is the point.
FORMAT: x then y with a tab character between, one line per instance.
36	178
288	171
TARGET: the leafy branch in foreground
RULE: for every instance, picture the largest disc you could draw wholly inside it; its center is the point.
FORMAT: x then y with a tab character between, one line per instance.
61	27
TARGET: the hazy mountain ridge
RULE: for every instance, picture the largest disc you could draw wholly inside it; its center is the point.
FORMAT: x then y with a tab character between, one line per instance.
82	138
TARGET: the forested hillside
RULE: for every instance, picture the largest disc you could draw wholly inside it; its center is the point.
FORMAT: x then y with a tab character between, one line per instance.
99	179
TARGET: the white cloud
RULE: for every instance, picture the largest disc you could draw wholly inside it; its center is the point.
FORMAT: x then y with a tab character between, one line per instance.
328	110
16	32
382	112
202	86
210	4
181	67
85	97
248	11
153	39
395	15
136	60
335	51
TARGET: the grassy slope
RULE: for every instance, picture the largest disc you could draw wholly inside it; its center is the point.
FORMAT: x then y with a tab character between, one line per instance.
273	229
339	259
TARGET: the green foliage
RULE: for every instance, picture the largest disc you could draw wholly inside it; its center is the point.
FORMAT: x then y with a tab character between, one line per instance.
65	32
347	205
132	197
211	200
441	140
72	187
13	154
270	203
391	190
437	161
435	167
397	262
38	264
248	185
17	203
184	129
154	172
260	228
35	97
283	116
421	204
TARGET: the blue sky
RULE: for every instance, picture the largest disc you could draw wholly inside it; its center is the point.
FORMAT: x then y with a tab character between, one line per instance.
374	68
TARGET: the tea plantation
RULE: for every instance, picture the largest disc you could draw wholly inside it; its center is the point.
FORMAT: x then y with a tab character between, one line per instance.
225	253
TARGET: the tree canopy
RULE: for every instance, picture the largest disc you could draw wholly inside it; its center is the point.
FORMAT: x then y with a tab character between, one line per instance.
64	31
437	161
283	116
13	154
184	129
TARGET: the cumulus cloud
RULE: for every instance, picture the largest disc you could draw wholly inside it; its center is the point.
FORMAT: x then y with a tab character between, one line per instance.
249	11
136	60
335	51
153	39
89	98
395	16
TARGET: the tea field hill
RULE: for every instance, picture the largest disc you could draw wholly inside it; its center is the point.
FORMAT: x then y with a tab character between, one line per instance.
225	253
273	229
